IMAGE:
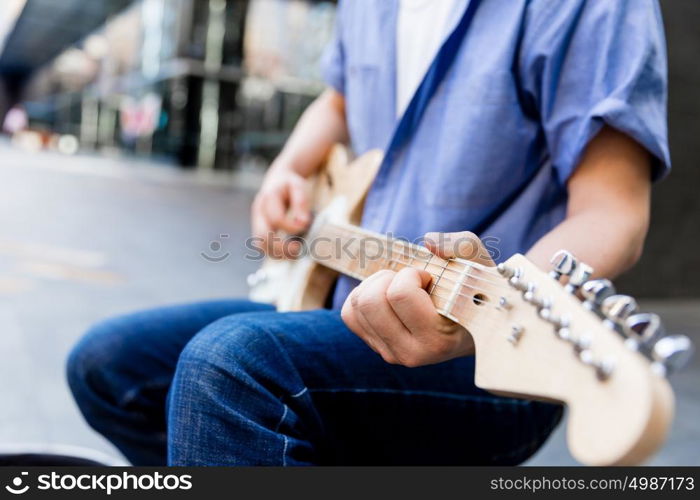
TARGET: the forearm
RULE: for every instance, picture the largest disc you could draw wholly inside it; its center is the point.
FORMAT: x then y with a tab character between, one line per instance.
608	209
322	125
610	248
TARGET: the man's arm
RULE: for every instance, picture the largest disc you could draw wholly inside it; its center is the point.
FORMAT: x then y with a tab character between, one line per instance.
320	127
608	210
605	225
282	203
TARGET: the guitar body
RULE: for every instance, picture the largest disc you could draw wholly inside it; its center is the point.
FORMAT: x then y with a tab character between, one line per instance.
617	416
338	193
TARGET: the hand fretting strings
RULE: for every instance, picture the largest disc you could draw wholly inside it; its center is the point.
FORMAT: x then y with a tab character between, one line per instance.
424	256
410	255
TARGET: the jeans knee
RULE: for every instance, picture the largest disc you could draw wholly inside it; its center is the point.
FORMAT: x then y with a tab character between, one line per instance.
97	353
228	341
233	348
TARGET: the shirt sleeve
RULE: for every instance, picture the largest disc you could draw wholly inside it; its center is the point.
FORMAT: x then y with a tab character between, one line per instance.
587	63
333	59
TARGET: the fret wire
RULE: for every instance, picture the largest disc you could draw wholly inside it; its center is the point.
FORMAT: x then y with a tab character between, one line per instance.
495	283
396	241
429	260
472	276
459	306
485	303
461	309
444	278
435	282
498	285
476	299
421	250
463	285
470	297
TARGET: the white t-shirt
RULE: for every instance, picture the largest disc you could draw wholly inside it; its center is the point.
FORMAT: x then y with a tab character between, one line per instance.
422	27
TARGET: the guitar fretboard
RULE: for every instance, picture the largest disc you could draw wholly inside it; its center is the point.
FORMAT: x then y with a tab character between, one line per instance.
457	287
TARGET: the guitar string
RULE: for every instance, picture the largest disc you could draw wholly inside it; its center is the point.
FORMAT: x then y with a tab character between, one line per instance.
438	279
462	311
470	298
458	308
458	272
429	258
462	286
444	267
424	255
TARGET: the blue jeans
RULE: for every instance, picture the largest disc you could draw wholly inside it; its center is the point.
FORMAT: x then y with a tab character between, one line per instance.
236	383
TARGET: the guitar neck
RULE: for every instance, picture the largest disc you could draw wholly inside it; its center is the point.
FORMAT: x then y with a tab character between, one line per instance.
460	290
359	253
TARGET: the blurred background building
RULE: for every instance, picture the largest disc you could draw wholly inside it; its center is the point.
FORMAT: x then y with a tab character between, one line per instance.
202	83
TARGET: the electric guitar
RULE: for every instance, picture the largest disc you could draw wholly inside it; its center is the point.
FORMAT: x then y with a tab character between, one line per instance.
534	337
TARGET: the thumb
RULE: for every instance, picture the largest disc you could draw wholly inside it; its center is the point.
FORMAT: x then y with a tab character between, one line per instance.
463	245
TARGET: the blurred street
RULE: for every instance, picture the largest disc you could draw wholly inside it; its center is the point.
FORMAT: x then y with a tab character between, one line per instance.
86	237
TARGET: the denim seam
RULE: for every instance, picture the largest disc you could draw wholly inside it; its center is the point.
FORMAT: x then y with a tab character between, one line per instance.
132	393
284	450
300	393
284	414
445	395
284	437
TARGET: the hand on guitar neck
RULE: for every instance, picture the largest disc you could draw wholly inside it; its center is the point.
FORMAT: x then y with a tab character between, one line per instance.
394	314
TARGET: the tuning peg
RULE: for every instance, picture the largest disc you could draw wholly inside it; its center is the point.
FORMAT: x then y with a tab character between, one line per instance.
531	297
604	369
505	271
617	308
579	276
516	280
563	264
595	292
646	327
673	352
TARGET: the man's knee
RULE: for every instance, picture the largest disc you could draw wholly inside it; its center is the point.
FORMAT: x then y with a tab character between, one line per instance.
232	344
102	351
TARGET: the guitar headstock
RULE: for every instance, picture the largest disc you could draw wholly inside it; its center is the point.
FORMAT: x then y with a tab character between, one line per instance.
581	343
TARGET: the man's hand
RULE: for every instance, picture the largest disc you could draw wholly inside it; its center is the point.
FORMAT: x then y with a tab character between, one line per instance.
393	313
281	205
